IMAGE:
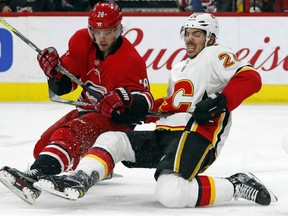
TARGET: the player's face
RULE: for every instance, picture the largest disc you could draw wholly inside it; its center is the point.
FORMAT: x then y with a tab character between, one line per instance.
194	41
105	38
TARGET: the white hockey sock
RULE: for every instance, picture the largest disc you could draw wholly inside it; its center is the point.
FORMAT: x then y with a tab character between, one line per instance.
91	163
176	192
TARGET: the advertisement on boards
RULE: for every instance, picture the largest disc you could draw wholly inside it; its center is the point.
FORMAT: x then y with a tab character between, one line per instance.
262	41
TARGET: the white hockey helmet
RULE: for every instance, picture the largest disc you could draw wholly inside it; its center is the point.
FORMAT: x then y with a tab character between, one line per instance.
203	21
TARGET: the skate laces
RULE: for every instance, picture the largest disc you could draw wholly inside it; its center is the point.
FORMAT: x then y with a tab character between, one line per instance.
246	192
34	174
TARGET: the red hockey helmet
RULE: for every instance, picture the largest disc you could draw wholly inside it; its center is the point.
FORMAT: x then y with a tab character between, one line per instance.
104	15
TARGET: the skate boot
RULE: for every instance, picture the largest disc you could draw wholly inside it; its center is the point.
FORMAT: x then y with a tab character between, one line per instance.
70	186
21	183
248	187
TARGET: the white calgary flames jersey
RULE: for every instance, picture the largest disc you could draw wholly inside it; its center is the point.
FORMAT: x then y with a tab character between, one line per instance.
190	80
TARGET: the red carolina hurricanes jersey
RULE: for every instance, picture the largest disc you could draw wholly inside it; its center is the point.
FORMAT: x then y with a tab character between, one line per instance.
123	68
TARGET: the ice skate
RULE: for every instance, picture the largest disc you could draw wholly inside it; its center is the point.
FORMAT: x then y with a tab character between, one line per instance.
70	186
21	183
248	187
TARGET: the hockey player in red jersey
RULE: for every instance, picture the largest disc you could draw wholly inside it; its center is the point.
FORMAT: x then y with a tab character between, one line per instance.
107	63
203	90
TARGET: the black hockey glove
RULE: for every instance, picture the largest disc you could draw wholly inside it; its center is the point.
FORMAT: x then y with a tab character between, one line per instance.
209	109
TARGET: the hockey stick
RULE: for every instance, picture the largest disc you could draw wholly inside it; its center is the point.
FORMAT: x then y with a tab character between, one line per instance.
55	98
58	66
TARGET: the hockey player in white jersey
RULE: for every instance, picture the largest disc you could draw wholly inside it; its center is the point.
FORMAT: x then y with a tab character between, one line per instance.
203	91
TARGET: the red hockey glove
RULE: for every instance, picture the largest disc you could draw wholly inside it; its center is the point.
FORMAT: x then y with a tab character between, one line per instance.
48	59
114	101
209	109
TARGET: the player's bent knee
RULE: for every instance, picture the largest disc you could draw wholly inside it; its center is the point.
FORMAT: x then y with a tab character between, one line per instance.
170	191
117	144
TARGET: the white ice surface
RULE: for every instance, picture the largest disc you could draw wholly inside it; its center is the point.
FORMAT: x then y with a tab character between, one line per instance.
254	145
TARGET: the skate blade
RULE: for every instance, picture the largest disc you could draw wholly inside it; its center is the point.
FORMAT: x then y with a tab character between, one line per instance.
113	175
48	186
274	198
116	175
25	194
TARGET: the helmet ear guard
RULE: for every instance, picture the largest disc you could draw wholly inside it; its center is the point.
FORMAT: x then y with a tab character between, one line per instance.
182	32
119	30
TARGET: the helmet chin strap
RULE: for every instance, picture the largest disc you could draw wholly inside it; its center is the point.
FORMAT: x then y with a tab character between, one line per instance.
91	34
208	37
119	30
118	33
206	42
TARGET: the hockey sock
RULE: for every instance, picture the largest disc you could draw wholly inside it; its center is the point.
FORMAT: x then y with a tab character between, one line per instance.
47	165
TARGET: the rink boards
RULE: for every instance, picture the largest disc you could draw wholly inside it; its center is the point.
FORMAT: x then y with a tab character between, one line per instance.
260	40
